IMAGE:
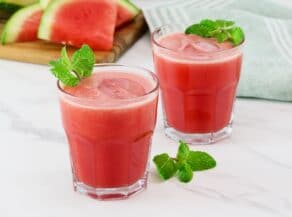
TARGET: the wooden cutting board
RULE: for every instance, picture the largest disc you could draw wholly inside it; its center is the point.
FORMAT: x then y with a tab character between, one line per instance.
41	52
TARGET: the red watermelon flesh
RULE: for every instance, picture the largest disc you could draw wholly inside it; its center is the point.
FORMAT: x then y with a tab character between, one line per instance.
22	25
124	16
30	27
89	22
126	12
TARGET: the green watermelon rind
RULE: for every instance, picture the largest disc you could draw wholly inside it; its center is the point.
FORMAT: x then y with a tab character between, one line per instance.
47	20
44	3
129	6
20	3
14	24
13	5
9	7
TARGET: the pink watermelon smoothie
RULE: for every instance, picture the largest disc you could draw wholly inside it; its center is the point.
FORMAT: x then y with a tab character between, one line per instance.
198	78
109	120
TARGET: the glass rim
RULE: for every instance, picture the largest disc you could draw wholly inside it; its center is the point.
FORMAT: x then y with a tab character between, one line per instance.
152	90
156	42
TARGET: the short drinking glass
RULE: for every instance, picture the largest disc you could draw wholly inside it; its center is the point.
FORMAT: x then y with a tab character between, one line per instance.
198	80
109	119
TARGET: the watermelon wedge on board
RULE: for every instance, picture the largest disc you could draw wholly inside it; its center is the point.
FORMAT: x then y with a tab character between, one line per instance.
13	5
23	25
78	22
127	11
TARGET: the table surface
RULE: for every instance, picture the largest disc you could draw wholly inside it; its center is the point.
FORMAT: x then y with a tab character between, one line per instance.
253	176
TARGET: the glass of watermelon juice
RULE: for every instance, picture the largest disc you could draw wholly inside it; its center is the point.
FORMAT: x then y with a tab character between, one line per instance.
198	80
109	119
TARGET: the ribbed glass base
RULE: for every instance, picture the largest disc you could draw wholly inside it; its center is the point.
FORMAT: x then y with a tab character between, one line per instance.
198	138
111	193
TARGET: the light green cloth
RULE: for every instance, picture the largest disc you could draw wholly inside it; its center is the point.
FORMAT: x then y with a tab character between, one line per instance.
267	63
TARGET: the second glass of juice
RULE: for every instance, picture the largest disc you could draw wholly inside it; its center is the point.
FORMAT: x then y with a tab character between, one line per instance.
198	80
109	119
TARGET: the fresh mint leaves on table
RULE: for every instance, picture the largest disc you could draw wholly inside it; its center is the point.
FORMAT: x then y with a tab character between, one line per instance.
222	30
70	72
184	164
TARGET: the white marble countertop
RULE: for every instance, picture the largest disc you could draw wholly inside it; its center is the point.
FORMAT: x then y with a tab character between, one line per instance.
253	176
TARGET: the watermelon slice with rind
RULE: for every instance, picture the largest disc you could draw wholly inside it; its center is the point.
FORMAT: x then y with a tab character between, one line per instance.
23	25
127	11
78	22
13	5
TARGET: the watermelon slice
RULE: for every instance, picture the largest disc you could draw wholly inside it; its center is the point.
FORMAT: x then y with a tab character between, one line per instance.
78	22
126	12
23	25
13	5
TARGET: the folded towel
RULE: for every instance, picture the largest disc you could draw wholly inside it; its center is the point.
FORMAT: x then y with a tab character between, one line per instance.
267	64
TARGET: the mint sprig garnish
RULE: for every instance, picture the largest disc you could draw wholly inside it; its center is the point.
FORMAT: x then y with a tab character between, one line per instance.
185	172
165	165
222	30
184	164
71	72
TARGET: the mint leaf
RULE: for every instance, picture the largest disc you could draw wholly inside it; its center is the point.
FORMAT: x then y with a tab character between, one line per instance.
198	29
61	69
237	35
83	61
185	173
183	151
62	72
222	30
221	36
224	23
71	72
64	58
166	166
199	160
210	24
